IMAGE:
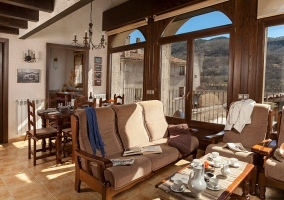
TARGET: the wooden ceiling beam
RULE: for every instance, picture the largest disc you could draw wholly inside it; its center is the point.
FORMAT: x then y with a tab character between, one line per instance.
9	30
14	23
17	12
43	5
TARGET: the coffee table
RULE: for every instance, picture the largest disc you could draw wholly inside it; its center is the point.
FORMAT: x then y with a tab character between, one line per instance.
238	176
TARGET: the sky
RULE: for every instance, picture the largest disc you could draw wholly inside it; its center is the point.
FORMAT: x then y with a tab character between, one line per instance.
208	20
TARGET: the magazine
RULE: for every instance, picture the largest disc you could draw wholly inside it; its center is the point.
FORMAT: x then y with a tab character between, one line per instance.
122	162
142	150
235	147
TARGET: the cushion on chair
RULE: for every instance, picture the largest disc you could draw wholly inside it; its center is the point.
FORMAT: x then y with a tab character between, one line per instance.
226	152
169	155
120	176
253	133
130	125
274	169
155	120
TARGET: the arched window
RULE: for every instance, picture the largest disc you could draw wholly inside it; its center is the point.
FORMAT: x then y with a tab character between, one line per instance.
190	22
127	66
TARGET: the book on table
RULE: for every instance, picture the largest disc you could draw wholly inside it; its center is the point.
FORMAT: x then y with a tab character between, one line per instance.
142	150
235	147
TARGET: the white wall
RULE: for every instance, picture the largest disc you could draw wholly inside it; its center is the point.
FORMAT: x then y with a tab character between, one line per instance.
61	32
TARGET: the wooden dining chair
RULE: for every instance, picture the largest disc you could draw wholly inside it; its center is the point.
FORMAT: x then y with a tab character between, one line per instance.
118	100
38	134
105	102
67	132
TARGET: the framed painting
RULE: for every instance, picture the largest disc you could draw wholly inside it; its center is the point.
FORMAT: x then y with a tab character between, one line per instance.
28	75
97	82
98	74
98	68
98	60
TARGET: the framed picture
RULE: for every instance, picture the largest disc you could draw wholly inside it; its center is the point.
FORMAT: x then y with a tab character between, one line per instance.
98	68
98	74
98	60
28	75
97	82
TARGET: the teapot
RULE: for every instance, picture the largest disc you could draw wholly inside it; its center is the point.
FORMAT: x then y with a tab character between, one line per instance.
196	182
225	170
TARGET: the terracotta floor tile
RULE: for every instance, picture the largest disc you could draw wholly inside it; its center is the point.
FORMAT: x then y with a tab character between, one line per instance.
4	193
25	189
19	178
36	193
73	195
1	182
59	184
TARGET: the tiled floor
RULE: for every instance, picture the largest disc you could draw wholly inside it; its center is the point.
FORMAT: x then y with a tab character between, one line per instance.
19	179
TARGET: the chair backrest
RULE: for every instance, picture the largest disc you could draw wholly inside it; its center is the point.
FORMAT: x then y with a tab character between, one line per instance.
84	101
280	131
53	102
107	101
257	131
31	117
118	100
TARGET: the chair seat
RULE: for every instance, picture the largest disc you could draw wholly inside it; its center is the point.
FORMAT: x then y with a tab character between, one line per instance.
226	152
274	169
67	131
44	132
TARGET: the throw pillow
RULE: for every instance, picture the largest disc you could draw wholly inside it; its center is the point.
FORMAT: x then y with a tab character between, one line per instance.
180	137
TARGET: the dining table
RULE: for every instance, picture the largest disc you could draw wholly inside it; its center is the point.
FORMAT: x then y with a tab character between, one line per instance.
59	118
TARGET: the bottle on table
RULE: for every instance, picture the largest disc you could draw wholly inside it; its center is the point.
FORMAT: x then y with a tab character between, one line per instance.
91	97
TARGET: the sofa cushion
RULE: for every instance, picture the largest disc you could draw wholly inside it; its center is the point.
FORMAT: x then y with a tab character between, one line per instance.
159	160
253	133
121	176
274	169
106	123
155	120
226	152
180	137
130	125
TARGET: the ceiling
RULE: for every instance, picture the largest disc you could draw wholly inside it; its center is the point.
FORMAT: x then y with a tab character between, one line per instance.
15	14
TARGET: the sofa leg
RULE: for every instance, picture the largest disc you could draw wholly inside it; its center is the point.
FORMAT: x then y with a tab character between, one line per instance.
262	185
106	193
253	181
77	178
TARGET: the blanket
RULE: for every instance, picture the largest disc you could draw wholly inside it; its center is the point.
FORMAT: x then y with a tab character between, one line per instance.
94	132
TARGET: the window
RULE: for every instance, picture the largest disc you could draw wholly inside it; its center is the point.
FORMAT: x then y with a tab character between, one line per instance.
209	88
274	67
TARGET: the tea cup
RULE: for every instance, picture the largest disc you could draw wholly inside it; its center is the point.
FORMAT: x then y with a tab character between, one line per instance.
213	181
215	154
217	161
178	184
234	161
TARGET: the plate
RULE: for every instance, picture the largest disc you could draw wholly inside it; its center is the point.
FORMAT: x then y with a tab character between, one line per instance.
175	190
209	186
236	165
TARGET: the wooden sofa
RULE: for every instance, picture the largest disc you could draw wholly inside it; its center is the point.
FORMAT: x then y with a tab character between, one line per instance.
122	126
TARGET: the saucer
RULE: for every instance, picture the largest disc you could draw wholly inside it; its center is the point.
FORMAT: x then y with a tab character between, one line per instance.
209	186
175	190
236	165
217	166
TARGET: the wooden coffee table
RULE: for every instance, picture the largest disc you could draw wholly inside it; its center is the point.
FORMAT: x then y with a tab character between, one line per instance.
240	175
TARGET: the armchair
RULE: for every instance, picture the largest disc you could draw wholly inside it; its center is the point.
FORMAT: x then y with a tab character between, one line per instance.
272	173
252	134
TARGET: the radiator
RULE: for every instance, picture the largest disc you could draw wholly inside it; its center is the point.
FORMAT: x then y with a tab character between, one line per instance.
22	114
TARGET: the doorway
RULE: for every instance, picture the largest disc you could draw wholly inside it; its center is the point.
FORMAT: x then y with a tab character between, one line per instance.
4	49
53	68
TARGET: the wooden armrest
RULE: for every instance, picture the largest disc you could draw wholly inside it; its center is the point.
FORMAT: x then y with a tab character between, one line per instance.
213	138
265	148
104	162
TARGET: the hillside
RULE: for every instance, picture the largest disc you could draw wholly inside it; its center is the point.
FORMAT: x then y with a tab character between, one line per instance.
215	62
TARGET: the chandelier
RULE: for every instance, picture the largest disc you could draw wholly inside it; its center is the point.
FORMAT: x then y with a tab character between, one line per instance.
89	43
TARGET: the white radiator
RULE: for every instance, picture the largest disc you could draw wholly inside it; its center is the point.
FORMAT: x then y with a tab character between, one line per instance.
22	114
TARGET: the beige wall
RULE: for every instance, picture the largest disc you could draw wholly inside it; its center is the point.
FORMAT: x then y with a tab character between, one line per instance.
61	32
268	8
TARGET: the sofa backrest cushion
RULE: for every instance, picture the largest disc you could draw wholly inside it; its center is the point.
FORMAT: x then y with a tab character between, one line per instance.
130	125
107	127
253	133
154	118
